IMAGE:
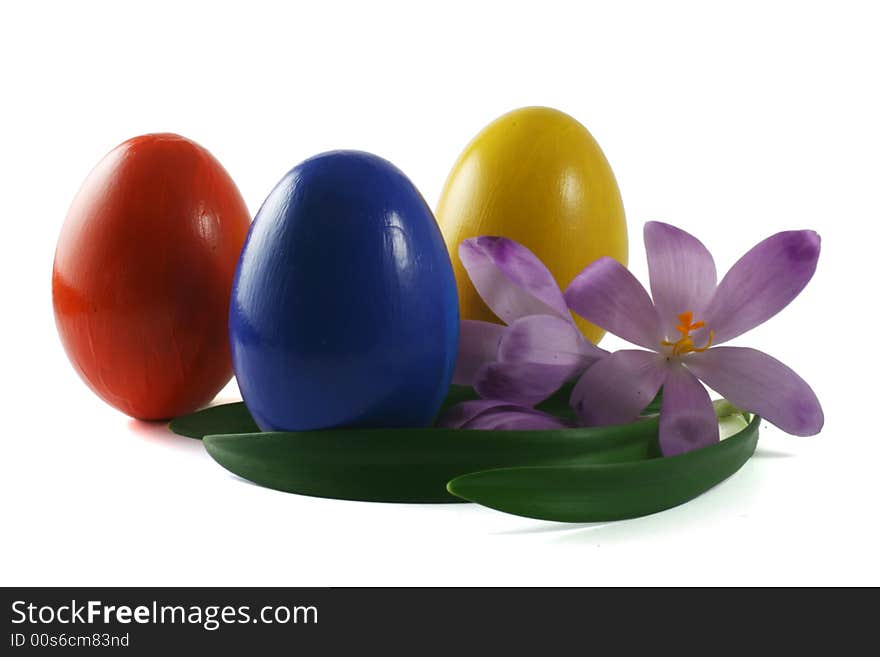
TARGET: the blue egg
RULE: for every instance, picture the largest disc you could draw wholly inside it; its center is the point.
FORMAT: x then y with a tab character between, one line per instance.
344	309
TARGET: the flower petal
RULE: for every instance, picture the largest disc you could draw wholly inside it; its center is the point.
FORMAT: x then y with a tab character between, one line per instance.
489	414
687	417
762	282
477	345
525	384
681	270
608	295
547	339
511	279
460	414
617	388
516	418
756	382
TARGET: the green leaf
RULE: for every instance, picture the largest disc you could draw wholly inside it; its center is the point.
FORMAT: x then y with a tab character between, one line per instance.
654	407
225	418
235	418
413	465
591	493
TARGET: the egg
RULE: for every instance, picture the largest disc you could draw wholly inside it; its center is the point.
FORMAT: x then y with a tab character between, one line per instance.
537	176
344	309
142	276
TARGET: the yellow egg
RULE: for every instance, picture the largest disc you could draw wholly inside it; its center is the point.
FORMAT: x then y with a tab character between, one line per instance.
537	176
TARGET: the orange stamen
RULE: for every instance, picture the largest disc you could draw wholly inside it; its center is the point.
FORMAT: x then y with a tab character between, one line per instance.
685	344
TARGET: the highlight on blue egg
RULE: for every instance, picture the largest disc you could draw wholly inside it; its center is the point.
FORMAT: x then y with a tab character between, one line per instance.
344	310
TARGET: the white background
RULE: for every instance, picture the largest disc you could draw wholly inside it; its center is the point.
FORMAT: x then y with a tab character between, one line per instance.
733	123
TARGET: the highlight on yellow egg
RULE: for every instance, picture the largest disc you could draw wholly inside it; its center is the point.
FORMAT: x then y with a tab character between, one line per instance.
536	176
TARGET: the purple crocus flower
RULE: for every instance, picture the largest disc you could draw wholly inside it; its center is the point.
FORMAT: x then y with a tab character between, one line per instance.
498	415
539	349
522	362
689	316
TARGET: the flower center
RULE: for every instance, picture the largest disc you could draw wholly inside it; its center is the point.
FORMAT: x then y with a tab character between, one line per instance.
685	344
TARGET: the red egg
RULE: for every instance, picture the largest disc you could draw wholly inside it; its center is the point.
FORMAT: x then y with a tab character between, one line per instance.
143	273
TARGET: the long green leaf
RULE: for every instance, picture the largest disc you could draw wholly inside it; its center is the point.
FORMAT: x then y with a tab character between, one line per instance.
235	418
413	465
225	418
590	493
